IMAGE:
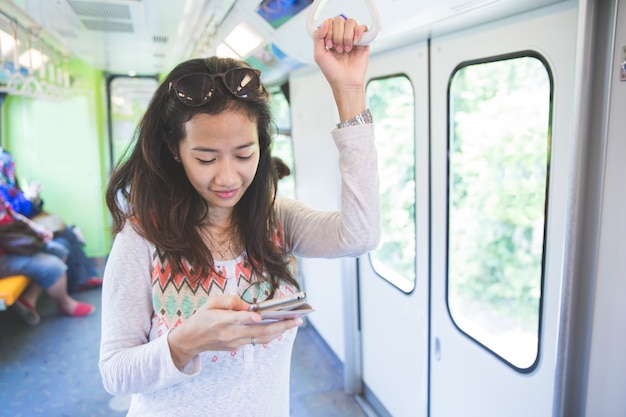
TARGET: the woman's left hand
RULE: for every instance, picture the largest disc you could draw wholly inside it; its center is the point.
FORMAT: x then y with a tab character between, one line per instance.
343	63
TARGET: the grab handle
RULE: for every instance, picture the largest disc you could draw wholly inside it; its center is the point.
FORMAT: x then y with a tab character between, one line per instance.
368	37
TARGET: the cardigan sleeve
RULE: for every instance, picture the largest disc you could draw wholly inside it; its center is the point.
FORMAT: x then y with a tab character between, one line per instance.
129	361
355	228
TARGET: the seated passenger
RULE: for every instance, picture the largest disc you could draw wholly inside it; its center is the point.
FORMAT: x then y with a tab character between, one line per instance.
46	268
81	273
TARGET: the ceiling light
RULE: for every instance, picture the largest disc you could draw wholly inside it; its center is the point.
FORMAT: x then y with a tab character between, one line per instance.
243	39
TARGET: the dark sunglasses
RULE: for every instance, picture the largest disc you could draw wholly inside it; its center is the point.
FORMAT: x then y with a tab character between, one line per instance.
197	89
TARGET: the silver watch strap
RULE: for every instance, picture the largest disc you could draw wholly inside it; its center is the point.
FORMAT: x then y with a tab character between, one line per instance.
360	119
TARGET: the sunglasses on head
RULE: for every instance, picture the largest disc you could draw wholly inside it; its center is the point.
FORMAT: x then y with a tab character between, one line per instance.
197	89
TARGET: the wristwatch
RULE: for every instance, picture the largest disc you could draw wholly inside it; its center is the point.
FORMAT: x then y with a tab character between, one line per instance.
362	118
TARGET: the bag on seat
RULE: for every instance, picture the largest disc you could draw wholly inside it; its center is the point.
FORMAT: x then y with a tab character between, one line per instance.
19	239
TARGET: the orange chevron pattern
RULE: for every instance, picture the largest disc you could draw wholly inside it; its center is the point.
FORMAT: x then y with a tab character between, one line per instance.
175	297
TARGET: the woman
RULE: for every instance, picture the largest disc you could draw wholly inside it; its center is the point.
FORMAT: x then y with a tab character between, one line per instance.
200	236
45	268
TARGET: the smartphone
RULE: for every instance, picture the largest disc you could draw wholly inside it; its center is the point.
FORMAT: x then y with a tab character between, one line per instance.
282	303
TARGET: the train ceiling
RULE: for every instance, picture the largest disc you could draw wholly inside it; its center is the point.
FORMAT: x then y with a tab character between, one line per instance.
148	37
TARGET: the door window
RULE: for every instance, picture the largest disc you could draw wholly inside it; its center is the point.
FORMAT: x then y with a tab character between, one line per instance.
391	101
499	152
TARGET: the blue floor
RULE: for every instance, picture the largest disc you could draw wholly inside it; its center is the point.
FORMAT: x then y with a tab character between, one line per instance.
52	369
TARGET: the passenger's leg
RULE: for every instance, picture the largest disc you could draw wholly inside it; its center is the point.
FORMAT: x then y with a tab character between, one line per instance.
65	303
32	293
26	304
48	272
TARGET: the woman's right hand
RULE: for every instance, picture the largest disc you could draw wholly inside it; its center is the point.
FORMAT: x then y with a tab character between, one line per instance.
223	323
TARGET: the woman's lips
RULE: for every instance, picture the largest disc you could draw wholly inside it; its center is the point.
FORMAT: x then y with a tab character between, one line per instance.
226	194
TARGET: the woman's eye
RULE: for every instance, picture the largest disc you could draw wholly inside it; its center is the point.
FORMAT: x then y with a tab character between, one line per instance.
205	161
245	157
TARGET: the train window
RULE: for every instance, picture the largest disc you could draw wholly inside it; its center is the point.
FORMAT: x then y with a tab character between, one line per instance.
499	150
283	145
129	98
391	101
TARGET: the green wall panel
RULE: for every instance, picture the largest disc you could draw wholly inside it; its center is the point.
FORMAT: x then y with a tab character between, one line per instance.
63	144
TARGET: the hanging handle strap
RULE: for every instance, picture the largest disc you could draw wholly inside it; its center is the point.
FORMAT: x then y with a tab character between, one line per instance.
368	37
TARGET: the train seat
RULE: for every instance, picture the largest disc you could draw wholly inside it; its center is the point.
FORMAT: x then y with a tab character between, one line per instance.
11	288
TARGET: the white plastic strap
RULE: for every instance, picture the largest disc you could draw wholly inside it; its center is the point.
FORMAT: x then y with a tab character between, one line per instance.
368	37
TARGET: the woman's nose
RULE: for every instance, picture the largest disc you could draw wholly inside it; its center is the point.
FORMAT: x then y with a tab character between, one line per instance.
226	173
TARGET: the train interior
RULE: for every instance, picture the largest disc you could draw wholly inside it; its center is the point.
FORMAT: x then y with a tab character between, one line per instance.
76	75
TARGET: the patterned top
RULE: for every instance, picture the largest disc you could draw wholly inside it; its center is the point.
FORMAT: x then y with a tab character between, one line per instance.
141	302
176	298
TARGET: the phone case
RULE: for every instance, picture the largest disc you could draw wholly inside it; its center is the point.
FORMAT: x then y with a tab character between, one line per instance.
287	312
283	303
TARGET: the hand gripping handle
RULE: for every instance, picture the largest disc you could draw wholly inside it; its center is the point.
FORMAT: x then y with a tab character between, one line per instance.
368	37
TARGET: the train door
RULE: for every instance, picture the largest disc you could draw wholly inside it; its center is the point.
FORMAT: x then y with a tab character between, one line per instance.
393	280
501	106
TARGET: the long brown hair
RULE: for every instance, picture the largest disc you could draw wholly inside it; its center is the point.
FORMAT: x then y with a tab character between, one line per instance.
151	189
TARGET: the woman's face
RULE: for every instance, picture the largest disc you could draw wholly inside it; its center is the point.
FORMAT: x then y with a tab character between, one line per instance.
220	155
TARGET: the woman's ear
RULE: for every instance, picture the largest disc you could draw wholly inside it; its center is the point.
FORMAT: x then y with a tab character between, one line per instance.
174	153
